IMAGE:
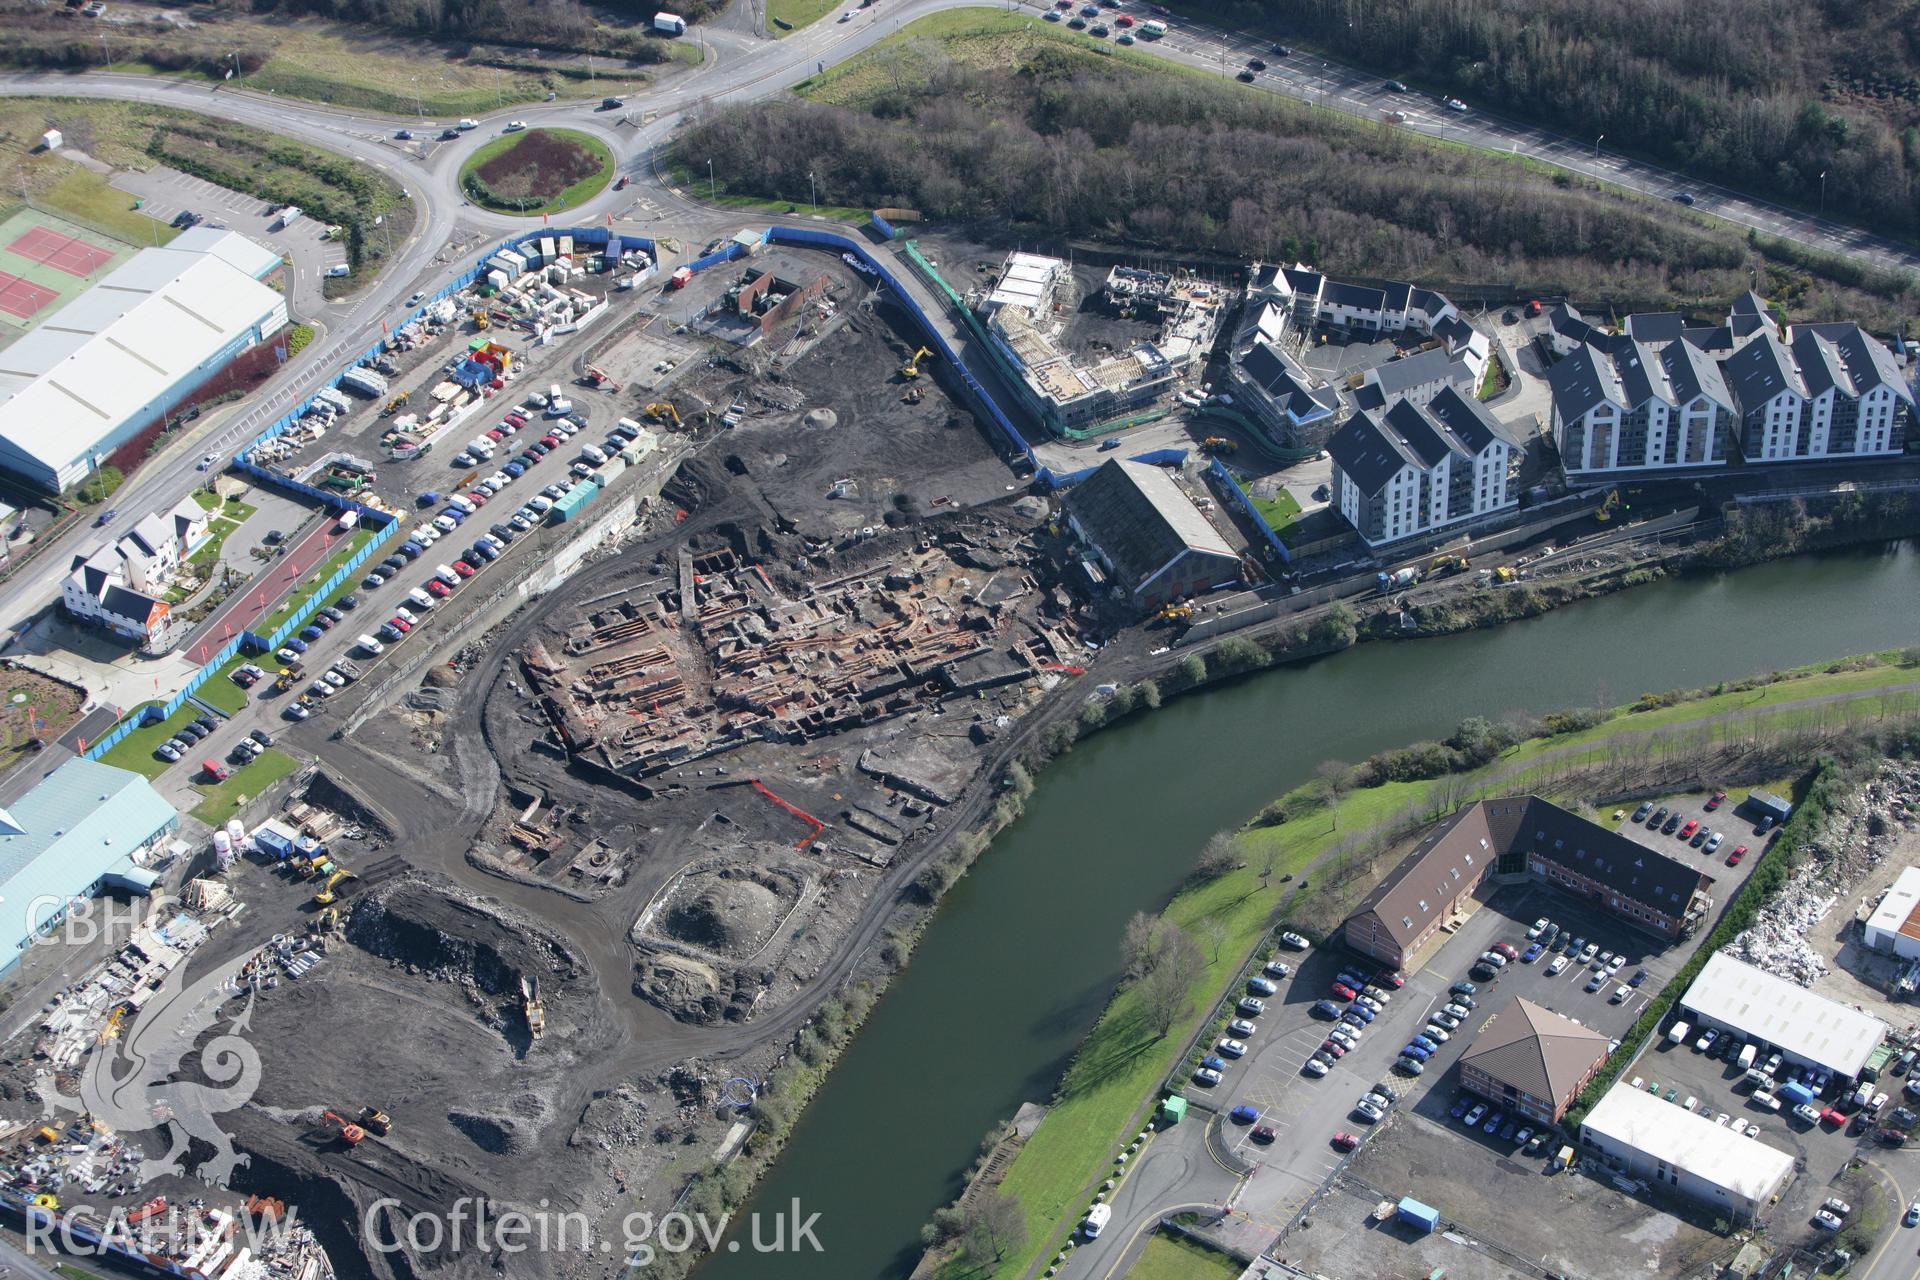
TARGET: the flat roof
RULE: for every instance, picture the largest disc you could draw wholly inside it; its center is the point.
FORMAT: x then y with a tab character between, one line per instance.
1760	1006
1899	911
1712	1153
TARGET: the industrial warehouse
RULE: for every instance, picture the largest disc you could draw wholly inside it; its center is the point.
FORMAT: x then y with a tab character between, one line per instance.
1809	1030
128	351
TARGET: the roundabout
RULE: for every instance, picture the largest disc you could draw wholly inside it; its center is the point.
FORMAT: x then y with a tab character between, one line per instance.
537	171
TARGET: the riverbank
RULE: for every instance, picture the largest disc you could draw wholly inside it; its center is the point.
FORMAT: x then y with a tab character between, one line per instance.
1082	972
1336	845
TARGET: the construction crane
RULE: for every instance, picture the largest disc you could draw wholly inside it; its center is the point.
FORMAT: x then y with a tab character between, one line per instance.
530	1005
326	896
601	378
350	1133
376	1121
911	369
663	411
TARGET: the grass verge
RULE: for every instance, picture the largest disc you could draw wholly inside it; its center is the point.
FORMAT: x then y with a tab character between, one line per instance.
784	17
135	751
1172	1258
1279	511
1494	380
310	586
224	799
91	201
681	174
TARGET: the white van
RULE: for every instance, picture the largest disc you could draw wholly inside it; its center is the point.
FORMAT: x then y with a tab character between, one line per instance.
540	502
593	453
1096	1220
369	645
1679	1032
348	519
463	502
419	598
445	573
1747	1055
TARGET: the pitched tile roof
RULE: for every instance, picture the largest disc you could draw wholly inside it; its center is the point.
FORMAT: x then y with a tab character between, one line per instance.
1537	1051
1435	364
1141	520
1759	371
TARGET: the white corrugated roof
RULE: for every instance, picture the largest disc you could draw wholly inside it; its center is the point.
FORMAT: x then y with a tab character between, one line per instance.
112	351
1899	906
231	247
1762	1007
1713	1153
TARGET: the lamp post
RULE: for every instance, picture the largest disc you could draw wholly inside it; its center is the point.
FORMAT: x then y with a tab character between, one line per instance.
711	197
813	194
1823	193
1596	145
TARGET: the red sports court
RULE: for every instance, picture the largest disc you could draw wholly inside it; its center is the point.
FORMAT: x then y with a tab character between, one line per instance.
60	251
22	298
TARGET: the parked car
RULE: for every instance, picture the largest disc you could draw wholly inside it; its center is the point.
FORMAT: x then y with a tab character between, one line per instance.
1344	1141
1263	1133
1315	1066
1207	1076
1716	800
1252	1006
1244	1114
1276	969
1640	814
1293	941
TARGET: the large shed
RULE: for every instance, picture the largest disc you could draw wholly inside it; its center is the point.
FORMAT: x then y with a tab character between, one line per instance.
1674	1149
1148	534
1808	1029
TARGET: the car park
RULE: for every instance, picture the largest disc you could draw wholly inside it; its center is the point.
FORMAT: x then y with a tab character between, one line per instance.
1252	1006
1244	1114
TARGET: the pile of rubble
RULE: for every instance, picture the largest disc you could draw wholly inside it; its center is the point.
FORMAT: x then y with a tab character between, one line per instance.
1854	842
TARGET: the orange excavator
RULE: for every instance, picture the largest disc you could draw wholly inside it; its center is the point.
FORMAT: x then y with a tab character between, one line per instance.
350	1133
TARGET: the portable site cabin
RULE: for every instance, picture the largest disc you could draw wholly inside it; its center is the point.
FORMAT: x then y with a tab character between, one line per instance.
1423	1218
1173	1109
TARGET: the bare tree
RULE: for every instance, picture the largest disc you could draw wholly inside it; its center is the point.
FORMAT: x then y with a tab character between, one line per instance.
993	1226
1269	861
1137	943
1334	778
1166	987
1213	936
1217	857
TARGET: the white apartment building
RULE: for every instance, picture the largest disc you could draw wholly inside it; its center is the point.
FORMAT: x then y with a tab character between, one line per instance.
1410	469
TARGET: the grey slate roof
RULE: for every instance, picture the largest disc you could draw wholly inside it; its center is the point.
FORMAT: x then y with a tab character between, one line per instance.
126	603
1638	370
1866	359
1369	453
1691	373
1469	421
1581	381
1654	326
1760	370
1289	386
1432	365
1819	363
1354	295
1141	520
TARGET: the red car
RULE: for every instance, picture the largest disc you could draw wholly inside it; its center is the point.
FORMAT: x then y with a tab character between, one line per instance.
495	433
1344	991
1506	949
462	568
1393	980
1719	798
1264	1133
399	623
1333	1048
1739	852
550	440
437	587
1344	1141
1832	1117
478	497
517	418
1124	20
1686	831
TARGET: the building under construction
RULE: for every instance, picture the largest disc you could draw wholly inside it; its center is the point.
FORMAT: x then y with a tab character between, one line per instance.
719	658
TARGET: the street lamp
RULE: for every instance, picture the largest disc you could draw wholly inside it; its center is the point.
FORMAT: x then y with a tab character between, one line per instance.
1596	145
1823	193
711	197
813	194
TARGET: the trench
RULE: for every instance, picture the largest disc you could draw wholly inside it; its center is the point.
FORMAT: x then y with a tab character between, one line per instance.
1023	952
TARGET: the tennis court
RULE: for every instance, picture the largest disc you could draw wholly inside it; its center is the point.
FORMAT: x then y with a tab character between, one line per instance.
46	262
60	251
22	298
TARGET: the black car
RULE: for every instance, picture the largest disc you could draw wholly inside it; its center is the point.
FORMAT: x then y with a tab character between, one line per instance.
539	448
185	218
1245	77
349	602
274	538
205	723
1394	86
1671	825
1463	988
448	135
394	562
191	732
502	532
1699	837
1685	197
333	612
1280	51
1257	64
1659	816
262	737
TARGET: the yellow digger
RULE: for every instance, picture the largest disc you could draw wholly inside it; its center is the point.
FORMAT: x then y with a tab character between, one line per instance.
1445	564
1174	613
911	369
1605	514
663	411
326	897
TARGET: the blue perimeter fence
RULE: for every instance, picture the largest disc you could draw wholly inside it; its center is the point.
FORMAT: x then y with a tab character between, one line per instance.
614	243
1231	493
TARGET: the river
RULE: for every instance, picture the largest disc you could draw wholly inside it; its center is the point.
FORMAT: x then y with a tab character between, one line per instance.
1022	955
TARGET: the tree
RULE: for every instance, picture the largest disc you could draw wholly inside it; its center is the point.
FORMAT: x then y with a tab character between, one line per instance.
1217	857
1137	943
1269	861
993	1226
1333	777
1165	988
1213	934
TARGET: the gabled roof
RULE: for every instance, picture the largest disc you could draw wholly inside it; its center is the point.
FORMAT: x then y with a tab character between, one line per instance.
1749	304
1819	364
1583	381
1358	296
1396	295
1867	361
1655	326
1428	301
125	602
1759	371
1368	454
1538	1052
1141	521
1304	280
1291	389
1435	364
1469	421
1639	374
1691	373
1376	443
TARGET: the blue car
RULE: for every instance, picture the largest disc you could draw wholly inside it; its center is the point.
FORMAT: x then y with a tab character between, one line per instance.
1325	1009
411	549
310	634
427	499
1214	1062
297	645
1353	980
1459	1108
515	469
1531	954
1244	1114
1417	1053
1431	1046
485	552
1361	1012
455	514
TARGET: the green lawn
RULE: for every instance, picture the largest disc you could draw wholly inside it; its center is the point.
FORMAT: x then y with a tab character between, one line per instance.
224	799
135	751
1114	1079
579	193
220	690
1494	381
1279	511
1172	1258
88	197
796	14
